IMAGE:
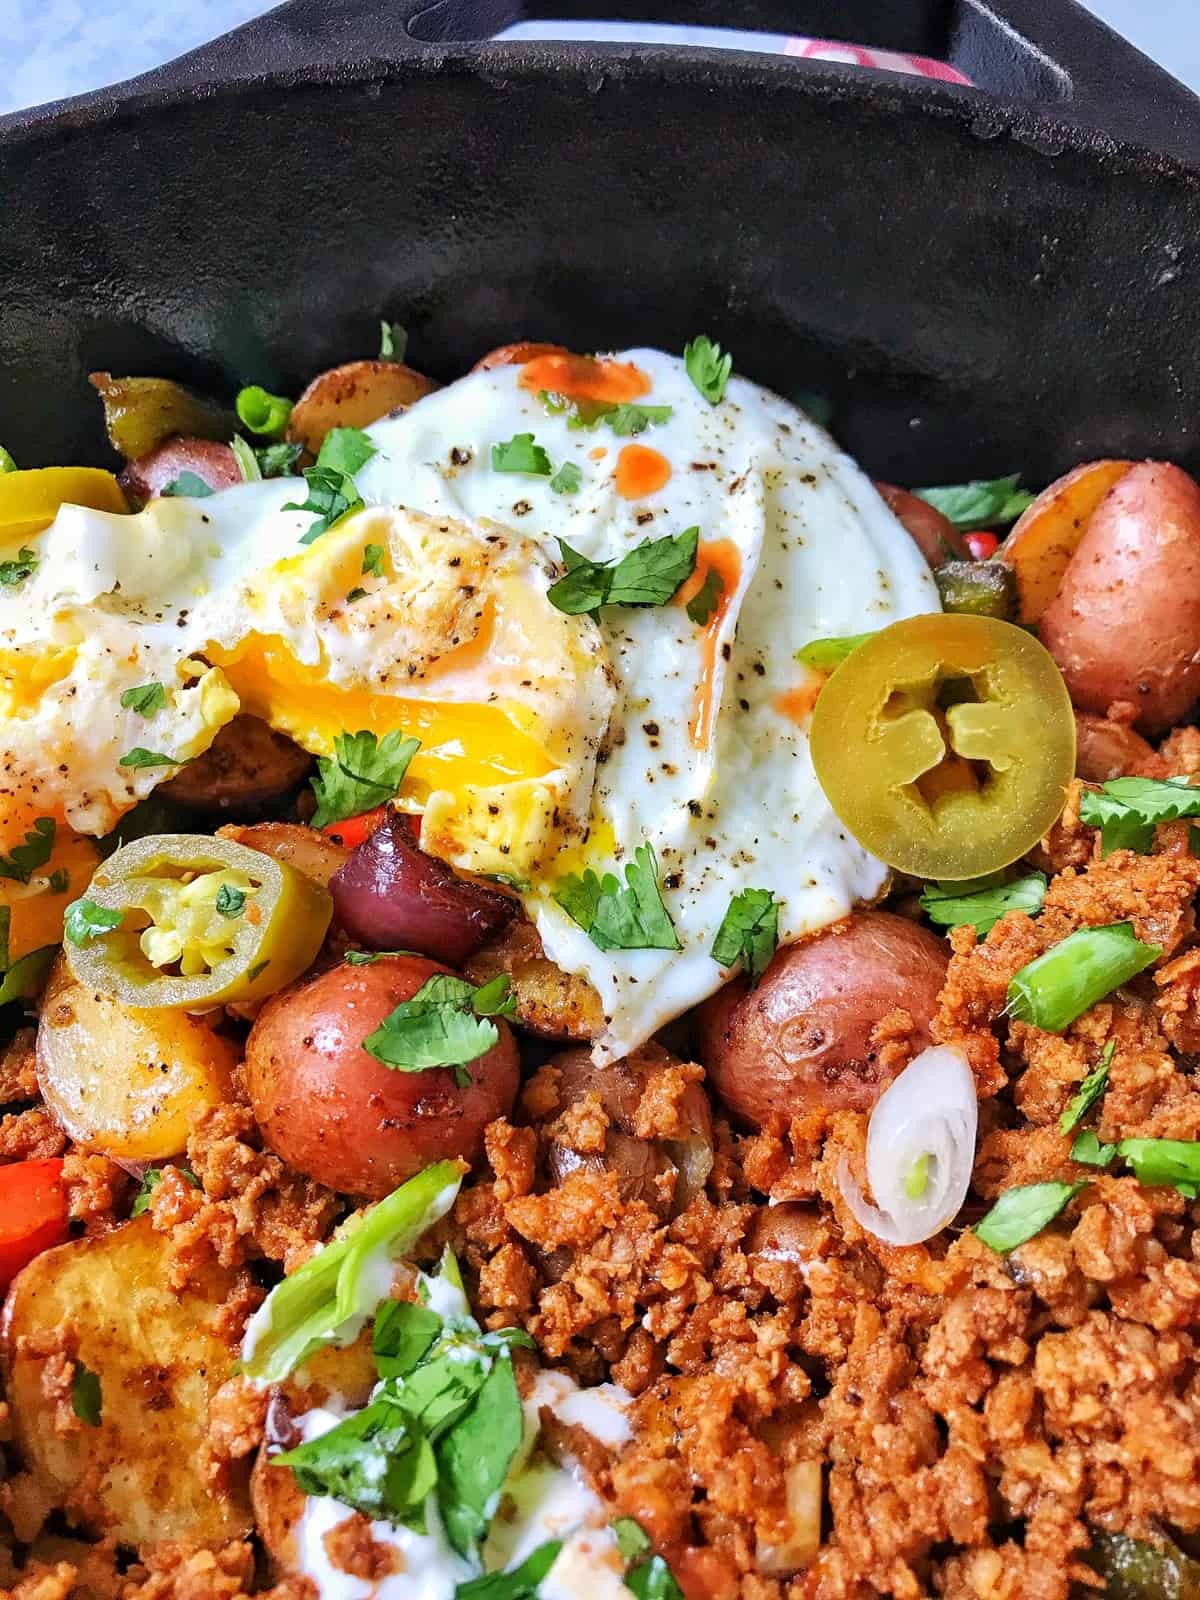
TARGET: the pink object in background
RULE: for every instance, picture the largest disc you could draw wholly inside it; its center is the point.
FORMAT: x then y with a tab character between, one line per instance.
856	55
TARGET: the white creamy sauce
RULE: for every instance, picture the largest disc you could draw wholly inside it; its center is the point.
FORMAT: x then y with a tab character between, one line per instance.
541	1501
430	1569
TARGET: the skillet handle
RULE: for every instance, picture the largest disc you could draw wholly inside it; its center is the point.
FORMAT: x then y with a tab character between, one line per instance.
1037	55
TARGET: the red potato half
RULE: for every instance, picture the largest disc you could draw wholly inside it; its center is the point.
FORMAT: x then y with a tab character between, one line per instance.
1125	623
215	464
801	1041
934	535
331	1110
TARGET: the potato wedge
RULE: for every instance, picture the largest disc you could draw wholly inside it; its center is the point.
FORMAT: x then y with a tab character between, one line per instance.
129	1084
550	1002
352	396
1048	533
347	1375
247	769
140	1474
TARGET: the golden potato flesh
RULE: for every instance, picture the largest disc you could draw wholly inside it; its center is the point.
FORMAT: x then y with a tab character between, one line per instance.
141	1473
129	1084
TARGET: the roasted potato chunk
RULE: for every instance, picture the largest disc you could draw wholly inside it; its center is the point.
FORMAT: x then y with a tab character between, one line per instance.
140	1474
553	1003
246	770
129	1084
353	396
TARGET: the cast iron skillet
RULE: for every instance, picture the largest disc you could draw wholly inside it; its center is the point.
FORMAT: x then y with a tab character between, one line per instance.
983	280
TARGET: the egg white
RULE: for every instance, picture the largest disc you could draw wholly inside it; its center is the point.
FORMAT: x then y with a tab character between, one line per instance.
122	601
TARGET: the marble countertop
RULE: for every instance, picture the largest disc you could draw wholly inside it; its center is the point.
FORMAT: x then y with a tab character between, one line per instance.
62	47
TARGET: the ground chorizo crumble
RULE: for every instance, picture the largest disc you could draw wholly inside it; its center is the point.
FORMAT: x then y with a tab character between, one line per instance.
943	1420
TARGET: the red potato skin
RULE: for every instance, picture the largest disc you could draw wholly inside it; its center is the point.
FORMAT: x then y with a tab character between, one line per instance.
1105	750
331	1110
801	1041
934	535
1125	623
151	474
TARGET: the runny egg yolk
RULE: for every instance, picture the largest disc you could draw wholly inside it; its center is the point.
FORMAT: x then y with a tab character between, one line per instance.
461	744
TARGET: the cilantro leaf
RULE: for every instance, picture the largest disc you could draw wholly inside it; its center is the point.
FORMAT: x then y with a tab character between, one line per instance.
521	454
263	413
1088	1150
377	1461
138	757
647	576
278	460
365	958
748	933
1090	1090
372	561
146	699
707	368
1021	1213
361	774
706	599
445	1024
474	1457
332	493
393	341
402	1335
85	921
632	917
632	418
982	901
1162	1163
187	486
1127	809
151	1180
23	566
982	503
86	1396
34	853
522	1583
230	902
653	1580
632	1539
567	479
356	594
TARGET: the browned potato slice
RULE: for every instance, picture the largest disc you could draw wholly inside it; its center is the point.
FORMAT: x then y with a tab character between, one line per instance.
140	413
549	1001
278	1503
307	849
130	1084
247	768
353	396
140	1475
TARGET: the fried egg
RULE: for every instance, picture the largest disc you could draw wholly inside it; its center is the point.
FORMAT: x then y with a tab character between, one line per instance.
551	744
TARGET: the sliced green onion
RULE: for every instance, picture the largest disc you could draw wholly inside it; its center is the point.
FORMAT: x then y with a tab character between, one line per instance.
1062	984
246	459
262	412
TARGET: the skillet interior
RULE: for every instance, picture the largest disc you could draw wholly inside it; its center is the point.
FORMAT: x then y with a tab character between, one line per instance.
976	287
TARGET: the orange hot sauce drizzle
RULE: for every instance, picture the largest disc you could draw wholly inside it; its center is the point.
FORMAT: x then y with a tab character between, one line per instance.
797	704
585	378
723	557
640	471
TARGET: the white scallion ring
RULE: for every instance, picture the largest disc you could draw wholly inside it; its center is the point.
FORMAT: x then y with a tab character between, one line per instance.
920	1149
